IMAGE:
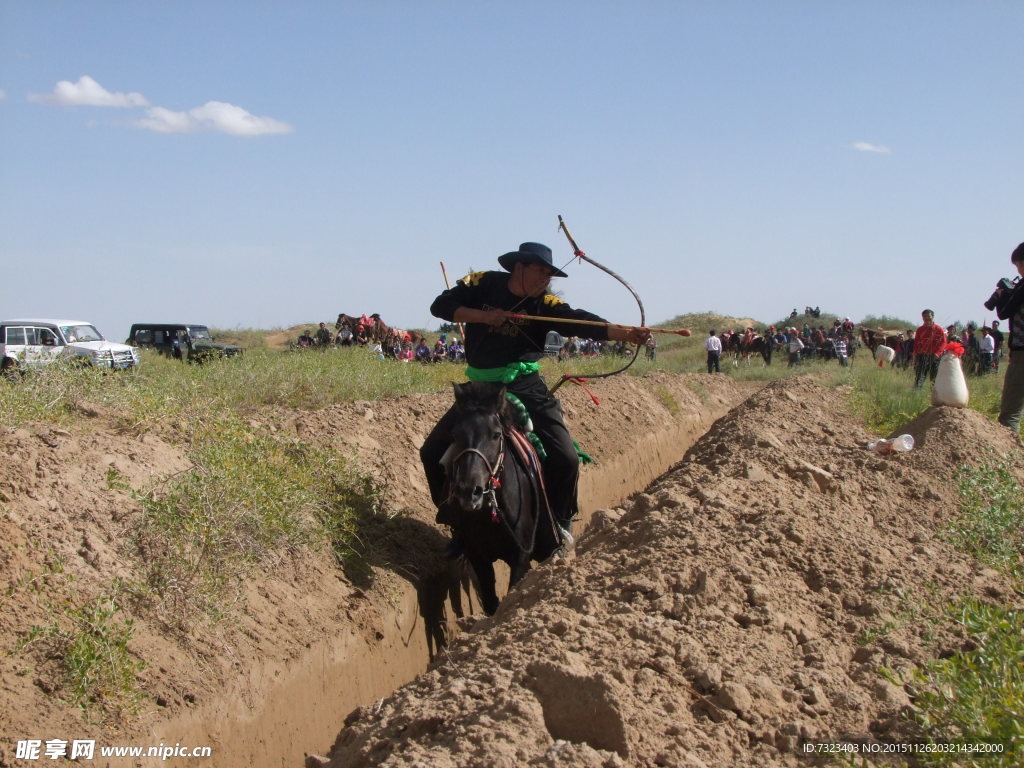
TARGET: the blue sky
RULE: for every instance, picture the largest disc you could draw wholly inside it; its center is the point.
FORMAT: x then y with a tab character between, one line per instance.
263	164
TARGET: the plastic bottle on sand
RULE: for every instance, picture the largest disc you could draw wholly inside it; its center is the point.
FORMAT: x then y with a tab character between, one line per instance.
900	444
903	443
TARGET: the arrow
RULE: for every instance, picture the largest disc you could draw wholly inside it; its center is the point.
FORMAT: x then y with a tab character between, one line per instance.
679	332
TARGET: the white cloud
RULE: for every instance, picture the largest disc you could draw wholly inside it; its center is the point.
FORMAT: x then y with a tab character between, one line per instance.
216	116
863	146
164	120
87	93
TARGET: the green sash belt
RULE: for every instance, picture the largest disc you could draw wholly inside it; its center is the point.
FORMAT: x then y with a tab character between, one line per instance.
506	374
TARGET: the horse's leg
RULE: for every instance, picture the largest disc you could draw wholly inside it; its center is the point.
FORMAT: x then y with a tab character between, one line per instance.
518	569
484	569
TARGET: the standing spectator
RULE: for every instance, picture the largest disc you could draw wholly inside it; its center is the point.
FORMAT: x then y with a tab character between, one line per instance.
769	344
986	351
908	350
1010	307
818	340
929	339
795	345
652	348
972	349
713	345
840	348
997	336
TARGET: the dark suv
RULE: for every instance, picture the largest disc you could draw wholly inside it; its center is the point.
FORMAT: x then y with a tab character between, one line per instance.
182	341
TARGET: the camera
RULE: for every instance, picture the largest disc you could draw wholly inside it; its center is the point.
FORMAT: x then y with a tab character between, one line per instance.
1005	285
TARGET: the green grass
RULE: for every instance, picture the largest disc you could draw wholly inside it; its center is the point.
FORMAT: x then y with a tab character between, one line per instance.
976	696
248	499
990	523
167	391
887	322
88	644
884	397
247	338
667	399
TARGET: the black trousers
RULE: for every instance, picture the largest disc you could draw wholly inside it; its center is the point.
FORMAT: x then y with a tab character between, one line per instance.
714	361
561	467
925	367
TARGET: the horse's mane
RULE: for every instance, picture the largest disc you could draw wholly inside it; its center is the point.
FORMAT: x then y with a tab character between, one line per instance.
475	397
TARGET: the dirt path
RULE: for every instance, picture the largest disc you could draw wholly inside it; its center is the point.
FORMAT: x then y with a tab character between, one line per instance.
740	607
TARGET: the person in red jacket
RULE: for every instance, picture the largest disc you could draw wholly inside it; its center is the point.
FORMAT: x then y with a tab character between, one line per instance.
929	339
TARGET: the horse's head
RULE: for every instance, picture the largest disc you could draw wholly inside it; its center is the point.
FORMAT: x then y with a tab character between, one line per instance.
477	443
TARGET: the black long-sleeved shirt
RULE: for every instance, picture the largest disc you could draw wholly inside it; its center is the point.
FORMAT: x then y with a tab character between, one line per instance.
1013	309
515	340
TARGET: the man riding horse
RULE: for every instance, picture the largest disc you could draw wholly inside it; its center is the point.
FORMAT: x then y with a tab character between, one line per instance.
504	349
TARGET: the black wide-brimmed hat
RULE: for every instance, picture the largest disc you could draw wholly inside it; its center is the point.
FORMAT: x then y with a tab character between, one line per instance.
530	253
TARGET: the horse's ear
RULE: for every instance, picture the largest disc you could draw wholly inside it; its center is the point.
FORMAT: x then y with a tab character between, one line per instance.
499	398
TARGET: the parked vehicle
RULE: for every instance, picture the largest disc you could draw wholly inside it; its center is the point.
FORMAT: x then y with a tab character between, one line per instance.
36	343
182	341
553	343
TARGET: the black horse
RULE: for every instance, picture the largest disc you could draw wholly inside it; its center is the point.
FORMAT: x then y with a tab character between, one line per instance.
494	495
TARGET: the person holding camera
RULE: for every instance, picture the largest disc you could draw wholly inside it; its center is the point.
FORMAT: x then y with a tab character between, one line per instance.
1008	302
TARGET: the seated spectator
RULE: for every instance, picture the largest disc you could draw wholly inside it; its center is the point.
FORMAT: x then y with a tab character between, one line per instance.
323	335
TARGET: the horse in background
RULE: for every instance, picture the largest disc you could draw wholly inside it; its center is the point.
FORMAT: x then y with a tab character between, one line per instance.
742	349
494	495
871	338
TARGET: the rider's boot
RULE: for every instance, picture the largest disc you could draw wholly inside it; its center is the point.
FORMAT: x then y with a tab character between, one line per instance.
565	533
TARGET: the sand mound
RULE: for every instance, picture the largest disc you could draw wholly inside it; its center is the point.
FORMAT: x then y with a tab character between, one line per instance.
741	606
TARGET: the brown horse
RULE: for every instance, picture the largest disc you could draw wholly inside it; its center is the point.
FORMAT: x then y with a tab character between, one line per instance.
871	338
376	330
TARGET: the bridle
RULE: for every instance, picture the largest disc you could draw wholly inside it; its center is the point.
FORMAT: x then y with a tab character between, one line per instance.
493	470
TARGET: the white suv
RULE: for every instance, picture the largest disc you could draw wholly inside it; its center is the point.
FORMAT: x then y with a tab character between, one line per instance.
35	343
